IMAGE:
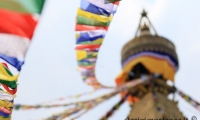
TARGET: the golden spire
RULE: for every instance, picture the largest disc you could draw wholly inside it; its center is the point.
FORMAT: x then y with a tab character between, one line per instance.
145	27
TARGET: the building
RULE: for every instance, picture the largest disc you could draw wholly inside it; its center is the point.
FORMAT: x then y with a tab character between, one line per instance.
150	54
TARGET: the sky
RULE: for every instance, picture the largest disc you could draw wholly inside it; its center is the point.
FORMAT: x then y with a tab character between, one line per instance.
50	71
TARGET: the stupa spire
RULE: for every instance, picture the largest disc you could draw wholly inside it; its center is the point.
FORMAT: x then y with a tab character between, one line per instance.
145	27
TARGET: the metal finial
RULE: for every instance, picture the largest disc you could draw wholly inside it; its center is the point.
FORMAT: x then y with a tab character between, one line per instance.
144	13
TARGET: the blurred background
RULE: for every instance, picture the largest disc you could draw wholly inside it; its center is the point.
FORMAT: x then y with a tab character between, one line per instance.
50	68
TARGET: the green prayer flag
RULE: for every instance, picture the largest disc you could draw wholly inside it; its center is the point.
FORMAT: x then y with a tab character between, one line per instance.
87	21
23	6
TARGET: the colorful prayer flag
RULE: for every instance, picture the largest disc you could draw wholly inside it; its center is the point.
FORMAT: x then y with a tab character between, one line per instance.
17	24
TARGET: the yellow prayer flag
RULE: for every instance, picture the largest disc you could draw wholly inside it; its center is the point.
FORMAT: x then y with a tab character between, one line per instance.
5	76
92	16
6	103
99	41
81	54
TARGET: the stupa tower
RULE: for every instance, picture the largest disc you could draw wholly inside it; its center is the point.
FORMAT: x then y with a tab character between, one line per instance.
150	54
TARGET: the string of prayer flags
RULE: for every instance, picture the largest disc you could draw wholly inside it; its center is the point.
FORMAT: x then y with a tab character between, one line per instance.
70	97
115	107
82	106
64	114
85	111
191	101
92	22
8	84
17	25
28	107
85	104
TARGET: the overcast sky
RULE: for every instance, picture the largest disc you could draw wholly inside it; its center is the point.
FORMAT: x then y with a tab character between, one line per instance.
50	68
